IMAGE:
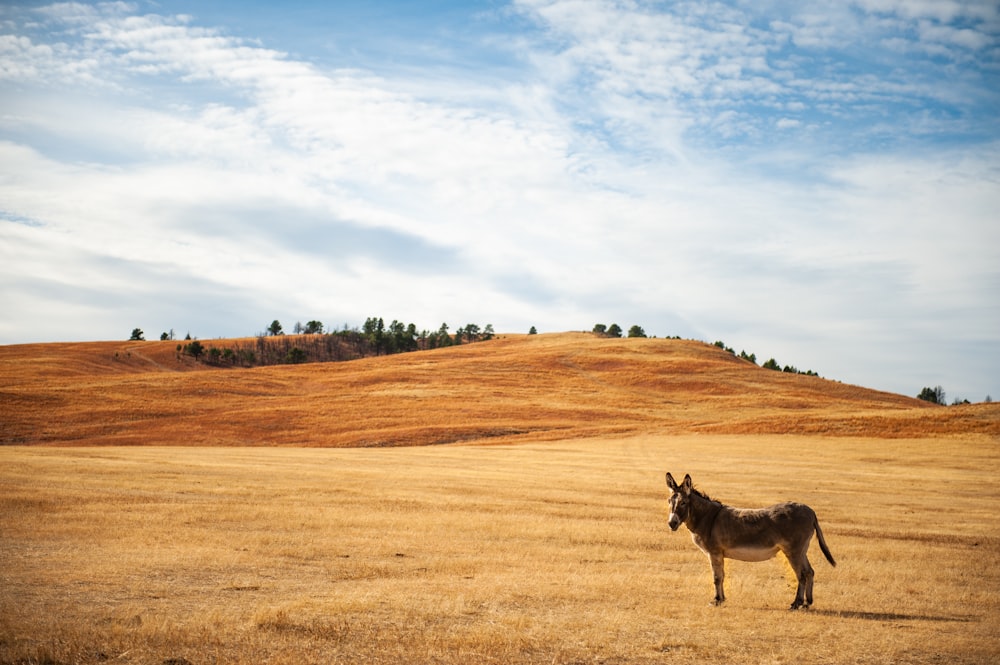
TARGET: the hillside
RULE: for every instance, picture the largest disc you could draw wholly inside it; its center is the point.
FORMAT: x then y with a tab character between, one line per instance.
516	388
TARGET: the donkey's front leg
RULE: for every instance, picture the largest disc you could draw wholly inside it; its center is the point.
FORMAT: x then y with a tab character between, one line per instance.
719	575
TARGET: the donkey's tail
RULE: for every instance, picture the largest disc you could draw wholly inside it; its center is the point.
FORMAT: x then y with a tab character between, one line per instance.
822	543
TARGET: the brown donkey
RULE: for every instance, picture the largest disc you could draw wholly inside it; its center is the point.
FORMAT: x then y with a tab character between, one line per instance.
744	534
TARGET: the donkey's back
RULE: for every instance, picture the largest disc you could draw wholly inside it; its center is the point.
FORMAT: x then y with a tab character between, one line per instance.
757	534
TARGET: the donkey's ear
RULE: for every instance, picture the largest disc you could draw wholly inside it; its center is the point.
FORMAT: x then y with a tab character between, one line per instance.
671	483
687	485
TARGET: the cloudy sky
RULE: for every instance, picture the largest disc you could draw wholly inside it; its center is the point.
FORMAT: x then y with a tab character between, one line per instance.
813	181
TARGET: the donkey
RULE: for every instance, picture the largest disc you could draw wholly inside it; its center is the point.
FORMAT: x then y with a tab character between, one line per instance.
722	532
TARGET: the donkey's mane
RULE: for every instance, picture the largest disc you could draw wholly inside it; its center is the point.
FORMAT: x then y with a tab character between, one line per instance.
697	491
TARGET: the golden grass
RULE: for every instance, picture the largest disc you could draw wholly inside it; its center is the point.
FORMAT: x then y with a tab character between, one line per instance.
549	546
547	552
512	390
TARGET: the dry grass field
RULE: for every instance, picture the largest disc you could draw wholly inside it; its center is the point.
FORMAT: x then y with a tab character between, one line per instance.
212	544
547	552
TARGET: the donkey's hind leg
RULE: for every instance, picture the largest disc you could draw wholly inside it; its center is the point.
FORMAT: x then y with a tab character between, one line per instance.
804	573
810	576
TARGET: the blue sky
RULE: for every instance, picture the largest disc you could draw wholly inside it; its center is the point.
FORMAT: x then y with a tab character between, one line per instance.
818	182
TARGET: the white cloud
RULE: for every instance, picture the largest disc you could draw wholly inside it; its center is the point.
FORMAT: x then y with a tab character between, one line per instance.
943	34
303	142
702	68
943	11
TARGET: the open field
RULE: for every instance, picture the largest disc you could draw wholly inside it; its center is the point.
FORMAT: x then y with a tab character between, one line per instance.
158	511
516	389
553	552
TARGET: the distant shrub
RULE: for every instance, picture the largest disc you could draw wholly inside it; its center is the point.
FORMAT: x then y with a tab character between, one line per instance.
933	395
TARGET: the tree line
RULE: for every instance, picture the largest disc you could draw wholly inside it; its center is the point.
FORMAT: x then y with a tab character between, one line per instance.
614	330
312	343
936	395
770	363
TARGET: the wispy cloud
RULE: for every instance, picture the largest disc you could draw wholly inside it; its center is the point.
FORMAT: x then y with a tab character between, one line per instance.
722	71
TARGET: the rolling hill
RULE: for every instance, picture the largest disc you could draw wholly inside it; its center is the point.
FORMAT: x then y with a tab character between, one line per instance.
516	388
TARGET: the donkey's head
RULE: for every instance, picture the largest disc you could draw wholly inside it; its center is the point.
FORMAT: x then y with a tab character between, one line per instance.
680	500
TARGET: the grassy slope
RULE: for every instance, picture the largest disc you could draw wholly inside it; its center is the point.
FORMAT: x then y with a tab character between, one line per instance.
513	389
550	549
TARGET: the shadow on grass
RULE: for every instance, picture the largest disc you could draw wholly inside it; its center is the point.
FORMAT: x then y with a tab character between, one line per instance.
889	616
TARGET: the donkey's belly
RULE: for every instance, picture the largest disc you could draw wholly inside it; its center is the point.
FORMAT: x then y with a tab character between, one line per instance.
749	553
